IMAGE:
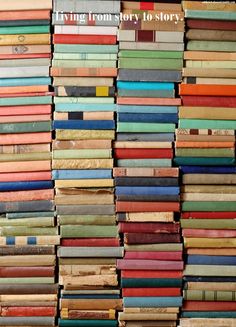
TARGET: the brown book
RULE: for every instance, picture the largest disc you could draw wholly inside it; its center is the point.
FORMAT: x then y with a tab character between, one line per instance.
90	304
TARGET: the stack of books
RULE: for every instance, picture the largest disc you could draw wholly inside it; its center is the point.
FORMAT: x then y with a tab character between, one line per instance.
147	187
206	149
27	233
84	68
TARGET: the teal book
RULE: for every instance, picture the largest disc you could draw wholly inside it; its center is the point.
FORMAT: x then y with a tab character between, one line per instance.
83	100
25	81
43	29
145	128
202	161
210	14
150	282
87	323
208	314
24	101
207	124
144	163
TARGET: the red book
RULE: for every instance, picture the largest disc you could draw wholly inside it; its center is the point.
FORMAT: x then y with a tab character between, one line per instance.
123	264
209	306
26	110
149	228
143	153
211	24
27	272
91	242
136	238
210	215
136	292
83	39
122	206
146	5
151	274
175	256
28	311
209	233
209	101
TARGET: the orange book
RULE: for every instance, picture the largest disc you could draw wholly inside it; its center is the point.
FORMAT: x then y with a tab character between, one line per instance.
209	89
207	55
27	138
31	94
100	72
25	56
26	118
26	110
23	89
25	15
27	195
25	177
180	144
150	101
24	166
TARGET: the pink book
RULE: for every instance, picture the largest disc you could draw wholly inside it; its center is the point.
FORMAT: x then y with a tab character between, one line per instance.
25	118
26	110
124	264
27	138
150	101
209	233
26	177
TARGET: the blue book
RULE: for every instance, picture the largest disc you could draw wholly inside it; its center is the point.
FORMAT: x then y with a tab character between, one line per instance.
201	161
20	215
22	186
207	170
148	118
25	81
74	107
148	109
139	190
84	124
208	314
211	260
82	174
165	137
145	85
152	302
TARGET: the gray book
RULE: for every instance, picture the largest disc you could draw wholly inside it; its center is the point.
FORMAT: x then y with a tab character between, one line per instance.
85	6
86	210
148	75
90	252
27	321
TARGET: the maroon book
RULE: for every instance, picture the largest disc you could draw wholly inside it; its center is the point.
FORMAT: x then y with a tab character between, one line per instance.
149	228
211	24
94	242
27	272
136	238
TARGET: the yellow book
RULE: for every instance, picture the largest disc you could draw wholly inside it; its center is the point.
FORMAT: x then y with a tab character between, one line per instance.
83	164
25	39
62	134
210	243
84	183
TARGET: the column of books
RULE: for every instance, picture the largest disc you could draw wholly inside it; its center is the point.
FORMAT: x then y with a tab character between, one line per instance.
206	153
147	189
28	293
84	68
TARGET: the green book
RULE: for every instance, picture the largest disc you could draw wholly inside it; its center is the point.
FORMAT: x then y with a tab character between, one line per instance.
84	63
25	127
144	163
25	30
83	231
209	206
85	48
25	101
210	14
216	152
145	128
85	56
82	154
108	220
155	247
28	222
207	124
30	231
27	280
81	100
198	295
136	63
209	314
208	223
223	46
151	54
26	157
150	282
